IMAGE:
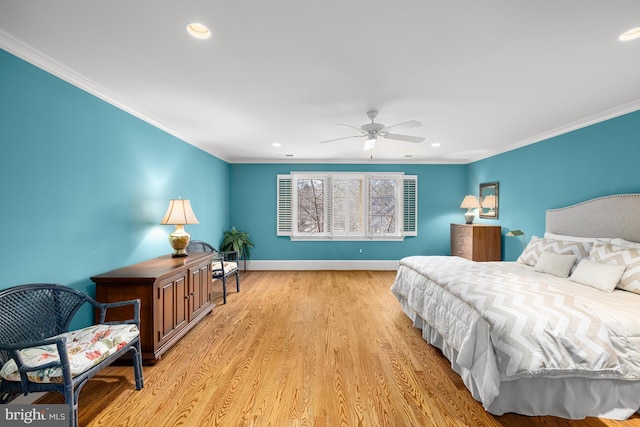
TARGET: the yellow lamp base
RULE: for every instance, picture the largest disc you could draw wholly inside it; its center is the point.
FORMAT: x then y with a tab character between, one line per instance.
179	240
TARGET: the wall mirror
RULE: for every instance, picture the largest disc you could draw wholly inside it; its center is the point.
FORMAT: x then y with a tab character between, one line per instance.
489	200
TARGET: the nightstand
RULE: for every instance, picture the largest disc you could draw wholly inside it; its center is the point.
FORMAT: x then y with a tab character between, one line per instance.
477	242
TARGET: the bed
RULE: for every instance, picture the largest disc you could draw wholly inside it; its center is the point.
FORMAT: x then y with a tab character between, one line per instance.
556	332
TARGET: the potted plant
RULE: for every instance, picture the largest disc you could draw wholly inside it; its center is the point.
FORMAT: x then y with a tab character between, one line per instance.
235	240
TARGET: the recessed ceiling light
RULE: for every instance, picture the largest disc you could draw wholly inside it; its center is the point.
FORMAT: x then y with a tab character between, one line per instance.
198	31
276	144
435	144
633	33
288	155
408	155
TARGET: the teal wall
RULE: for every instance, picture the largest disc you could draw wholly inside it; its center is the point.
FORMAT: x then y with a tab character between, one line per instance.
84	185
253	206
594	161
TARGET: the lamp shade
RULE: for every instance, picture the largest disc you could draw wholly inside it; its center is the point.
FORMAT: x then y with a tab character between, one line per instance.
179	213
470	202
489	202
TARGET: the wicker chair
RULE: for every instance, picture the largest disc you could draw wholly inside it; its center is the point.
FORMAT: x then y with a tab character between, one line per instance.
32	316
225	264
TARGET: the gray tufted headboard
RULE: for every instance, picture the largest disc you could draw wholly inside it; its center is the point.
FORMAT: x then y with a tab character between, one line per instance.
610	216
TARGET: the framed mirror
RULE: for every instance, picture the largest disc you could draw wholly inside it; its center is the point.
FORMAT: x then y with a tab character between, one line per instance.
489	200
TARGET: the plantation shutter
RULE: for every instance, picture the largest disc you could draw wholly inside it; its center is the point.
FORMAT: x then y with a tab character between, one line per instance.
410	205
369	209
285	206
328	203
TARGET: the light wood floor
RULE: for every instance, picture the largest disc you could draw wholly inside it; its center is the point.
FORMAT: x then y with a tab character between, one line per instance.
299	349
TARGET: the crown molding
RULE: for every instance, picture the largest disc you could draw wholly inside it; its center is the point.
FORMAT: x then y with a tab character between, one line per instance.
578	124
51	66
44	62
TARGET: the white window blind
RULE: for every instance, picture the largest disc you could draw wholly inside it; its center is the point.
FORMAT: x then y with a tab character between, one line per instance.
285	205
410	206
347	206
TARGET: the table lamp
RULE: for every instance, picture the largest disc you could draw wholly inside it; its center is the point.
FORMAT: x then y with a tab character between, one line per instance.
468	203
179	214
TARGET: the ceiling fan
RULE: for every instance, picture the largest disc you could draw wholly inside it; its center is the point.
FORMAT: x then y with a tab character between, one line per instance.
372	131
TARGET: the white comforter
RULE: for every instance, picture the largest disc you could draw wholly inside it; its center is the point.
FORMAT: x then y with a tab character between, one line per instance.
506	321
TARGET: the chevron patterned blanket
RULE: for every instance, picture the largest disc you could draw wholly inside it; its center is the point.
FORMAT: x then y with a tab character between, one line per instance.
539	325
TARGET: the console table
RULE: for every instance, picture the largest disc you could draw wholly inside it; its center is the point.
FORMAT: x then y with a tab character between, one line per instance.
174	293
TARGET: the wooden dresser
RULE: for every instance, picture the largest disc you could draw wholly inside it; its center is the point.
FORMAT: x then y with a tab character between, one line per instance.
174	293
477	242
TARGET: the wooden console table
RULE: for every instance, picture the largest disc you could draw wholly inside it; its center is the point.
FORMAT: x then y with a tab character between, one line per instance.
174	293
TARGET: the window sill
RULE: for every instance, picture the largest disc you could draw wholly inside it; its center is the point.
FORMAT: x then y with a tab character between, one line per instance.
346	238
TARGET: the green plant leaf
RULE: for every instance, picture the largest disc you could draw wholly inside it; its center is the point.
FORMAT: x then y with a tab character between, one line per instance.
237	241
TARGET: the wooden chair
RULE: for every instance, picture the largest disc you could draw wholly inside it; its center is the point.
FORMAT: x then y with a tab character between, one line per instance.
225	264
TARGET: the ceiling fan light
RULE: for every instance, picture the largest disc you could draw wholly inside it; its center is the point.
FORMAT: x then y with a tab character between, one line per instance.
369	143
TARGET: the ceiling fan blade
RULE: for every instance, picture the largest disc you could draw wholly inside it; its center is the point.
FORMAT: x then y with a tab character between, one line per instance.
344	137
350	127
406	125
407	138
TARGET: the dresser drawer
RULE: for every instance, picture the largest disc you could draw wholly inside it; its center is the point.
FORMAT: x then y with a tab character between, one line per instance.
476	242
461	235
464	251
462	231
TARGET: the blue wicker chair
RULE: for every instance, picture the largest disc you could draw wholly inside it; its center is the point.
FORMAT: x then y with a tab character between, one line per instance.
225	264
31	316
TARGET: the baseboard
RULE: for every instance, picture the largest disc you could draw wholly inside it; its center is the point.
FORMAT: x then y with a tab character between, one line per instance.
322	265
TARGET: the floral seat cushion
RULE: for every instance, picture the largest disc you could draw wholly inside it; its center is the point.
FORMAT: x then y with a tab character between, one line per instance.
86	348
228	266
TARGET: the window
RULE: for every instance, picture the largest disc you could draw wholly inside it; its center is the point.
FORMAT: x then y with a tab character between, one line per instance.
346	206
310	205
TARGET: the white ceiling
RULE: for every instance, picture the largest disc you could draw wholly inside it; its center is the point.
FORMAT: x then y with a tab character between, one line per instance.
482	76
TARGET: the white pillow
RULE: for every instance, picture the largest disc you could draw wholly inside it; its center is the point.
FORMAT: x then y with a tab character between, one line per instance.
625	243
600	276
536	246
629	257
556	264
549	235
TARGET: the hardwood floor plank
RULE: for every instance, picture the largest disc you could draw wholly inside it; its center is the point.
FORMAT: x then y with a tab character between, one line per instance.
299	348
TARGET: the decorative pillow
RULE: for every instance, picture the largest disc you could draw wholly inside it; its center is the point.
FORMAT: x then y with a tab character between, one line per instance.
608	253
86	348
563	237
556	264
600	276
625	243
536	246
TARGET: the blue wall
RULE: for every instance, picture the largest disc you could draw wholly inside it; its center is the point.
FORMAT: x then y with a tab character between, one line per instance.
84	185
253	206
594	161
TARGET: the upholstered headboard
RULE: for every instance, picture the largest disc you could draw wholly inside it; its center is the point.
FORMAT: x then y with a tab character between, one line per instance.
610	216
